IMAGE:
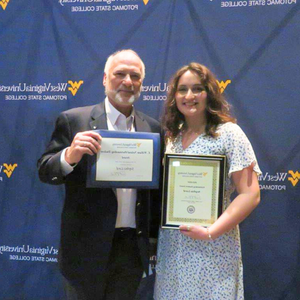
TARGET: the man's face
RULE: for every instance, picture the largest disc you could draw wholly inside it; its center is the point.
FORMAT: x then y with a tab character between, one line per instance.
124	80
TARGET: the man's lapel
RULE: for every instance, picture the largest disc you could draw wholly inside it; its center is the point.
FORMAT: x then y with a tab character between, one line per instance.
140	123
98	117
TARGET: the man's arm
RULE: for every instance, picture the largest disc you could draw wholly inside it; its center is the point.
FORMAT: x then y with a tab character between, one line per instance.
50	164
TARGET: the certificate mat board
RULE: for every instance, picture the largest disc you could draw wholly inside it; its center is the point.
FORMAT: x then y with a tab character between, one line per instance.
193	189
126	160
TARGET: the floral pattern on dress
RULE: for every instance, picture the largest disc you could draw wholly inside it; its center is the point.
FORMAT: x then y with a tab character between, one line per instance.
190	269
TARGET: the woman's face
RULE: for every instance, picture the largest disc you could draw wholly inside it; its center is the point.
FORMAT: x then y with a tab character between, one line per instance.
191	96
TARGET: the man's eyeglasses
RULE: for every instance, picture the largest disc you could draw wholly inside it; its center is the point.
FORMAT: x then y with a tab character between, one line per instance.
196	90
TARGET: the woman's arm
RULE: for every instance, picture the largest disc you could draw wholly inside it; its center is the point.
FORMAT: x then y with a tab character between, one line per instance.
248	198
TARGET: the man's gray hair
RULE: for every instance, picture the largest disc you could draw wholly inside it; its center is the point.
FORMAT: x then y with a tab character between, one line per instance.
110	58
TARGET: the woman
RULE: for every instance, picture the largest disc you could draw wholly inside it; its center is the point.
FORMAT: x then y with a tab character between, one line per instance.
196	262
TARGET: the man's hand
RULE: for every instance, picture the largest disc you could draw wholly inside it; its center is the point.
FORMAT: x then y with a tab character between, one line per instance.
87	142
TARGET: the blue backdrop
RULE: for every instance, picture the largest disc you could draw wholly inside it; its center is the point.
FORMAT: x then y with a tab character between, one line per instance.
52	55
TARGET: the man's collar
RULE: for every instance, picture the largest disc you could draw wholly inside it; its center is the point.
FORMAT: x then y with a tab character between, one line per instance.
112	113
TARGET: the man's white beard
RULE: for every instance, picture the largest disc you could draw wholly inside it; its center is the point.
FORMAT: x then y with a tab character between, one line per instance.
119	99
134	97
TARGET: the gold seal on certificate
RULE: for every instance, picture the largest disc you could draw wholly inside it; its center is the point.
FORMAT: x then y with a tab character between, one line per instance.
193	189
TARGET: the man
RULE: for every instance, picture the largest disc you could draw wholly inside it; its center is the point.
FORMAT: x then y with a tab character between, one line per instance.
104	232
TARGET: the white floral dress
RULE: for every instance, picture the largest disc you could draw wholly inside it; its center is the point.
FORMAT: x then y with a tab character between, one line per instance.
190	269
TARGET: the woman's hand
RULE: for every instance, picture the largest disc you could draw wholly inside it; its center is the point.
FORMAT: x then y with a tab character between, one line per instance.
195	232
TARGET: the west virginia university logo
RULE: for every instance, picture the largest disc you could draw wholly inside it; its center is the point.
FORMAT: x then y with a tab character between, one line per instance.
223	85
146	2
74	86
4	3
295	177
9	169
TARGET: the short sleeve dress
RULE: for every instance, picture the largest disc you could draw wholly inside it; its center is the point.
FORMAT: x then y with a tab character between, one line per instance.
189	269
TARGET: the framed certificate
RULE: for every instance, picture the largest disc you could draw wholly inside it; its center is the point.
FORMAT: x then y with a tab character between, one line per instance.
126	160
193	189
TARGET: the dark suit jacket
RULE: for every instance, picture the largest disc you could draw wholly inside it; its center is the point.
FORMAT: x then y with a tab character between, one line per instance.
89	214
